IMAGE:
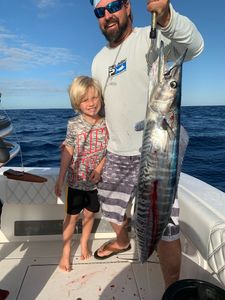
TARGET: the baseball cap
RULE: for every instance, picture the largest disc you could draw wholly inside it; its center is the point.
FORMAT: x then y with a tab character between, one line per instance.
94	2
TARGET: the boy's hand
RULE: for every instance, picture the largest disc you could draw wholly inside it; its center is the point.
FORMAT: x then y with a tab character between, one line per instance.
95	176
58	188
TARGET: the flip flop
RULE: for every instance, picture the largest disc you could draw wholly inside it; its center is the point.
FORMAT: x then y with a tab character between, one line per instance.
115	251
3	294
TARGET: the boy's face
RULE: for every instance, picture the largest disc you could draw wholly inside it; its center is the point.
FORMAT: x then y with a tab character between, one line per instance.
91	103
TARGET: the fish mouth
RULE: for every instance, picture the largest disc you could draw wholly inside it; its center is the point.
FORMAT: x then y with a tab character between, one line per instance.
175	68
164	71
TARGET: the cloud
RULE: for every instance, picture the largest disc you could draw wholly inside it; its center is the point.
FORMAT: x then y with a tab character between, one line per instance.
15	87
42	4
45	4
33	93
16	54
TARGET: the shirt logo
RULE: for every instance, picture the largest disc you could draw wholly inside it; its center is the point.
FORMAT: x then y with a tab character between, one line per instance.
117	69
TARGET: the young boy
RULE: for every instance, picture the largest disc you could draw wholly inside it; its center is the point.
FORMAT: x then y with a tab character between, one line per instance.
82	159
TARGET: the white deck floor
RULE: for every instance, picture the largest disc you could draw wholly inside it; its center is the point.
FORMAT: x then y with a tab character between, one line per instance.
31	272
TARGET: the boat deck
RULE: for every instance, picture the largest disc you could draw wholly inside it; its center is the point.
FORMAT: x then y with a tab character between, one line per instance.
31	246
29	270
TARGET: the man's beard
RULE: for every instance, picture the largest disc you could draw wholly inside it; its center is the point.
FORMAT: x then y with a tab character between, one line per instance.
116	35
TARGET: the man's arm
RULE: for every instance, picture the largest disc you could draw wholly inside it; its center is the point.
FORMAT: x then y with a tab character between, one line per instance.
178	32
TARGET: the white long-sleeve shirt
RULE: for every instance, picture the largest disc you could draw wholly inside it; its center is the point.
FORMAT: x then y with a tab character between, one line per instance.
123	73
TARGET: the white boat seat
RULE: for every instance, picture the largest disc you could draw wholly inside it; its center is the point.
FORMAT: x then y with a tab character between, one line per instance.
21	192
202	220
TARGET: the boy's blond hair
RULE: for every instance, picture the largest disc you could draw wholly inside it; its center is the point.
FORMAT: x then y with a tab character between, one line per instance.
79	87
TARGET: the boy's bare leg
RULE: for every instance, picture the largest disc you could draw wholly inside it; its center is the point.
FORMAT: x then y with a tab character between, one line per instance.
87	224
68	230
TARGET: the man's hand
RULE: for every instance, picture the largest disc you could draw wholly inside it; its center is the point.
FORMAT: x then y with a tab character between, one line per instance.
162	10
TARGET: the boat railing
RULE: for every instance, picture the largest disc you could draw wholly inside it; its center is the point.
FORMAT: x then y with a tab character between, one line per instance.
31	211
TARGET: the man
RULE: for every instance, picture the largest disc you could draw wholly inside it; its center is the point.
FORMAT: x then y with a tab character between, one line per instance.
122	67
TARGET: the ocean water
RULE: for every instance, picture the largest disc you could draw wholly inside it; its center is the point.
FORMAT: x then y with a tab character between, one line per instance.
40	133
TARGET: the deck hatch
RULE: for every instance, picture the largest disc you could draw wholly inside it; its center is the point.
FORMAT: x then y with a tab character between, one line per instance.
85	282
54	227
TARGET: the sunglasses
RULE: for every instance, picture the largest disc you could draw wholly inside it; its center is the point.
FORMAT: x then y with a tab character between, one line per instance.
111	8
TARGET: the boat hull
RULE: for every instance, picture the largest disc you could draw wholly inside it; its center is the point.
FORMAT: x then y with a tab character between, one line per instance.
31	244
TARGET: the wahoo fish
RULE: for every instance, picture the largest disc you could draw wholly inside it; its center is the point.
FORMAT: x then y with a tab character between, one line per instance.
158	171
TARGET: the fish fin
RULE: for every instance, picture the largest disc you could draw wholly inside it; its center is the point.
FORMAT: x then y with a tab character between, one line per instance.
139	126
184	137
183	143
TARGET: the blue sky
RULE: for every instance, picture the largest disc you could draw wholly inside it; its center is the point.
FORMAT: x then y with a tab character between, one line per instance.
44	44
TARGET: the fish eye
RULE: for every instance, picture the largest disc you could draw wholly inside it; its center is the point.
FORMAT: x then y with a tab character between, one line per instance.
173	84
